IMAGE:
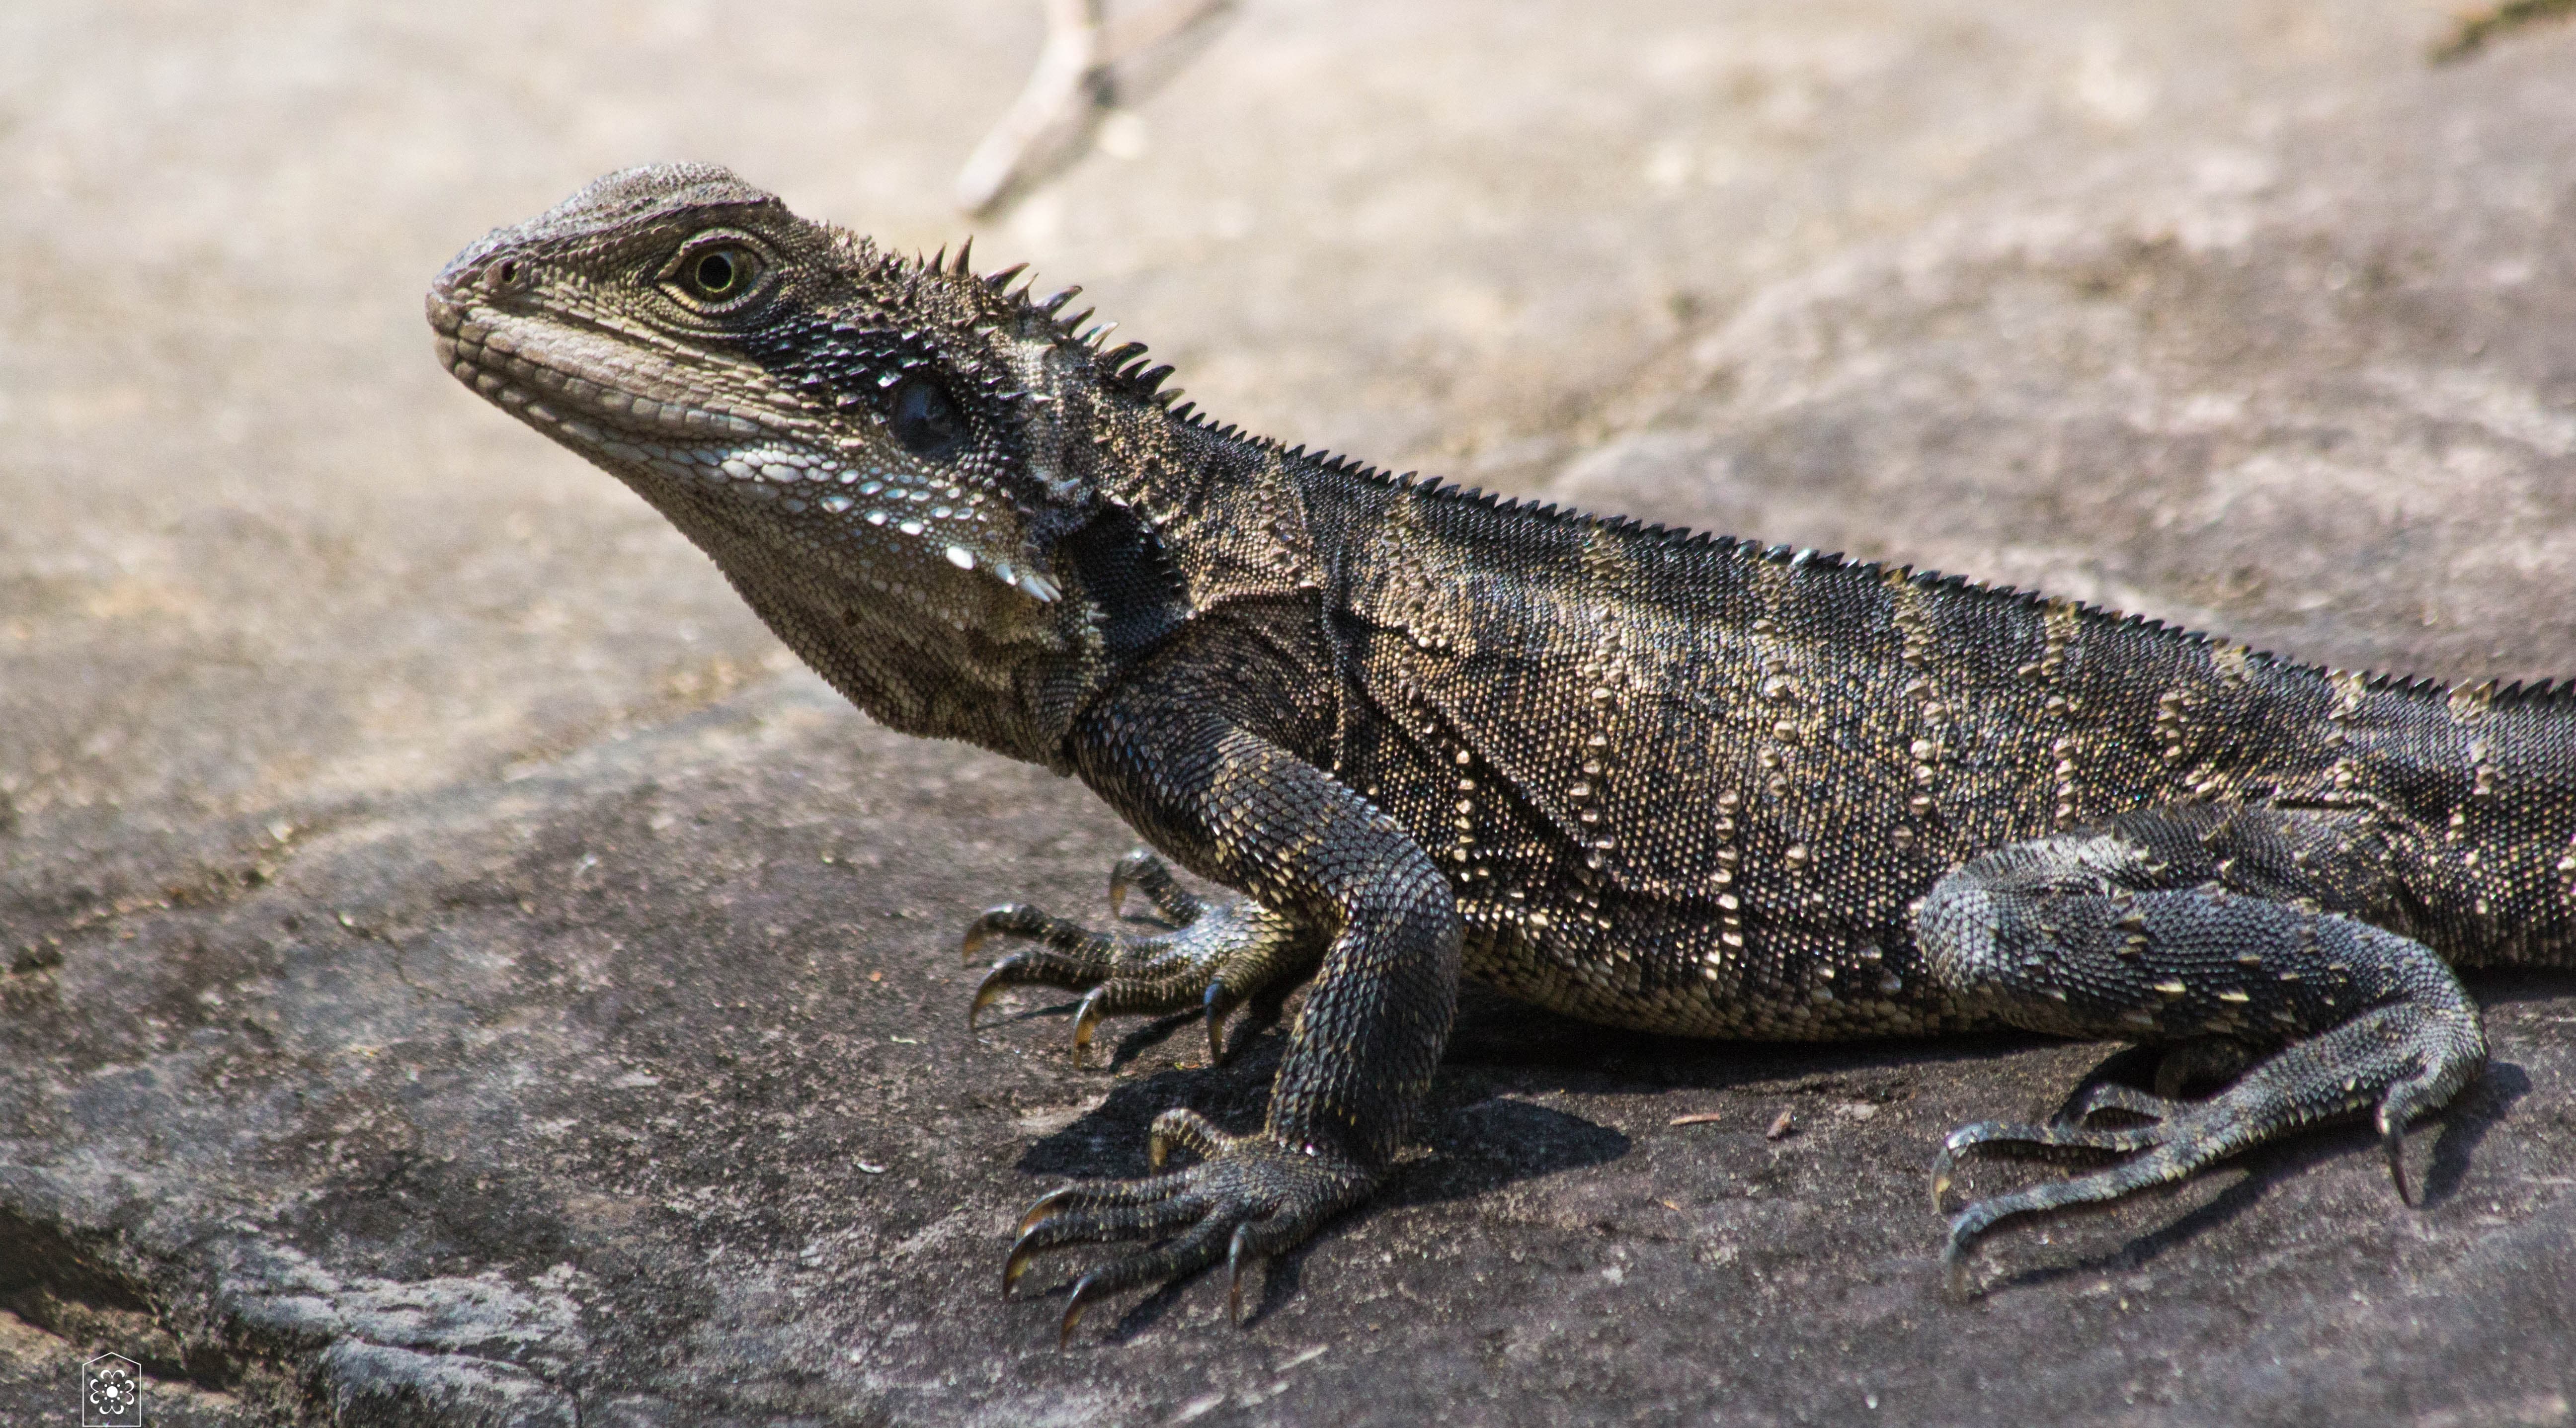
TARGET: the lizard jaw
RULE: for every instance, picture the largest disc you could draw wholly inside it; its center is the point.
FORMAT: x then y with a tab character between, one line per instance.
553	375
583	389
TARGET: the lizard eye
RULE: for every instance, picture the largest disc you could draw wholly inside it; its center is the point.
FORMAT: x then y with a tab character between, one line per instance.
717	274
721	273
924	419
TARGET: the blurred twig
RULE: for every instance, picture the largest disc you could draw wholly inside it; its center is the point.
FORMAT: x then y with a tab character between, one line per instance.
2476	27
1068	92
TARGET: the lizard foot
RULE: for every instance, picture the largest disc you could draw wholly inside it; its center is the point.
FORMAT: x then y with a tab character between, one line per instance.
1215	956
2398	1062
1248	1198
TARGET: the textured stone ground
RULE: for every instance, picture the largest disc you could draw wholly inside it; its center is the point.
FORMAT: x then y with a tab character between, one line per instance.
461	973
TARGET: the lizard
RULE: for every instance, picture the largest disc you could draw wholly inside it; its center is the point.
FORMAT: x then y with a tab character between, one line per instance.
1676	782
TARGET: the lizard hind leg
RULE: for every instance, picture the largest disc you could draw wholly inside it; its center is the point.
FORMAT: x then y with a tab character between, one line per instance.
1214	957
2089	935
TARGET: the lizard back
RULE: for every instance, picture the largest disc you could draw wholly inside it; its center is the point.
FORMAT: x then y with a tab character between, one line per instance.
1694	784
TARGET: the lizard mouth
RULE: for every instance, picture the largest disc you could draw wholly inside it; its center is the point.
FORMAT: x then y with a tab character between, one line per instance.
542	374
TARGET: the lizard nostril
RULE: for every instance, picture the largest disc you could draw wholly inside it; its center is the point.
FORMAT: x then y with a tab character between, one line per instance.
502	276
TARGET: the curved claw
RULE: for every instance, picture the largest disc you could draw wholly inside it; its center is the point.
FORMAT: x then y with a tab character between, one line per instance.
1954	1266
1217	1004
997	918
2393	1136
1085	1290
1983	1215
1045	1205
1025	1243
1018	1264
1234	1259
1971	1223
1122	876
987	992
1085	1019
1947	1158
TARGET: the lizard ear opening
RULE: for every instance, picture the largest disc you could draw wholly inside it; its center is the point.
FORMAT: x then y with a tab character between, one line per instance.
1128	574
926	420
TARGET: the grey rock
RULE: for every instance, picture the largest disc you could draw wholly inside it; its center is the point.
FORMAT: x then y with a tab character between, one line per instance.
460	973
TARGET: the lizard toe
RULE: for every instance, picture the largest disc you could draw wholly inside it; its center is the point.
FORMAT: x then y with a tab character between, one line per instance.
2058	1141
1072	941
2092	1100
1143	872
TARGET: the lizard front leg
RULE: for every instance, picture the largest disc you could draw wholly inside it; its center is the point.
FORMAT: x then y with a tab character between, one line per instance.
1311	854
2235	938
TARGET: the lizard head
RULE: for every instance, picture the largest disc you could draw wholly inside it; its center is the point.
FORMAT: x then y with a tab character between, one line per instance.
874	448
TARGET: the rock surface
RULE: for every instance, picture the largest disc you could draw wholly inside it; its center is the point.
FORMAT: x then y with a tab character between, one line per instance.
458	972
